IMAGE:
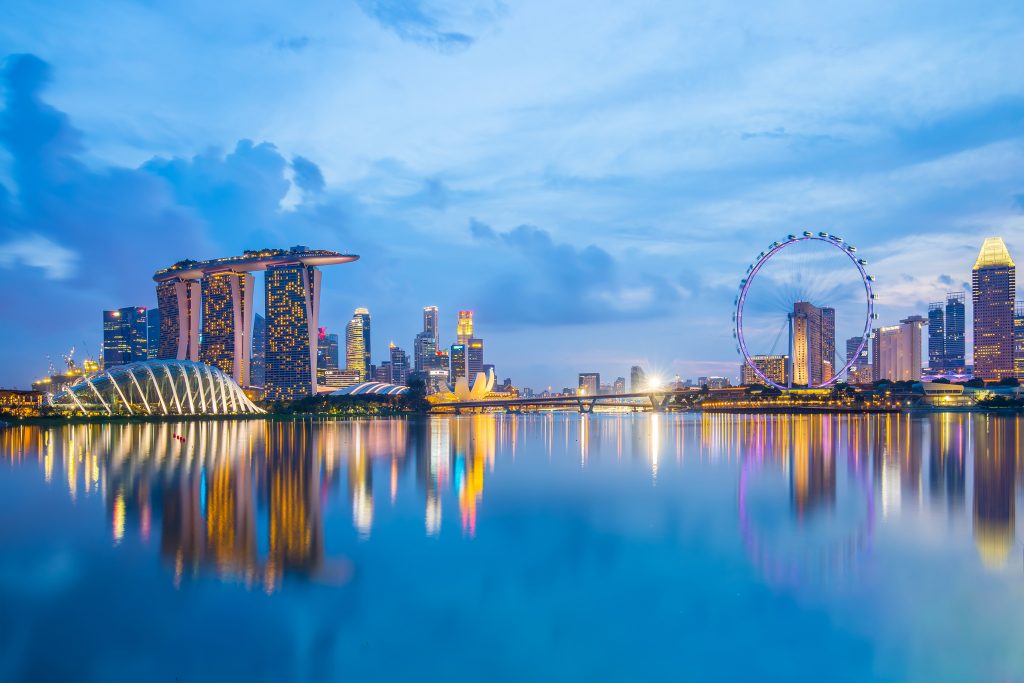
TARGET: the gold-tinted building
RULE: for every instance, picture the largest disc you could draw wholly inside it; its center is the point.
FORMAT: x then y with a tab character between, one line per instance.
219	293
227	323
293	310
772	367
994	290
355	346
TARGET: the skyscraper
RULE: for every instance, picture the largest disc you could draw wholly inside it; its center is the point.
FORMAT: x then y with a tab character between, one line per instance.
993	292
772	367
457	363
956	325
399	365
258	364
180	304
125	336
860	369
355	346
807	344
813	335
326	356
152	333
1018	340
430	323
828	343
474	357
293	310
637	379
937	337
227	310
589	383
464	328
896	350
226	328
425	352
364	315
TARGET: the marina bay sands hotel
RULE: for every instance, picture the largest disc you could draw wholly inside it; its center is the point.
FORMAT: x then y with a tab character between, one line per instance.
206	314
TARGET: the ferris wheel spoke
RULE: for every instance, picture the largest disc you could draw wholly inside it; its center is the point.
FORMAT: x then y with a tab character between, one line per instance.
801	283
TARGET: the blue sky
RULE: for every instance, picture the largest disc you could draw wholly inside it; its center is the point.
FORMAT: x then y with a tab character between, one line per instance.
591	178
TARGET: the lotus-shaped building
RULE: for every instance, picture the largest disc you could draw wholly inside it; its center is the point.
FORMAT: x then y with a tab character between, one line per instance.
483	384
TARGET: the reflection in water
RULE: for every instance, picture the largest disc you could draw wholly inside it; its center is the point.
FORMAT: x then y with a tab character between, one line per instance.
995	450
245	500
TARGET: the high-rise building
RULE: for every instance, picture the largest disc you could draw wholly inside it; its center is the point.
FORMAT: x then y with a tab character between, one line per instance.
813	333
590	383
860	367
896	351
474	357
956	325
226	327
364	315
327	350
382	373
218	294
125	336
993	292
356	358
807	344
152	333
442	364
946	334
637	379
1018	340
619	386
293	310
258	364
937	337
180	305
326	358
399	366
431	323
425	352
457	363
772	367
828	343
464	329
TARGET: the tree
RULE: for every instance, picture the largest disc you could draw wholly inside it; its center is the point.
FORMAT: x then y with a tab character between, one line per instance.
415	400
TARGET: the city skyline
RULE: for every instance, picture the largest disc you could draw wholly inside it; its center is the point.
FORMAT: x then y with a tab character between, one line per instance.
614	238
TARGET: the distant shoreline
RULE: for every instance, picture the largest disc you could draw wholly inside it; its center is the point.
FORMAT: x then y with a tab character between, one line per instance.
53	421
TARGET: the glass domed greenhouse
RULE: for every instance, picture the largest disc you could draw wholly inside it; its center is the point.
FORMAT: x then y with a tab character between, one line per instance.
155	387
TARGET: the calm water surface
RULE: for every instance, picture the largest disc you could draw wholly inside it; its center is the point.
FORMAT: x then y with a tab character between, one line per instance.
603	547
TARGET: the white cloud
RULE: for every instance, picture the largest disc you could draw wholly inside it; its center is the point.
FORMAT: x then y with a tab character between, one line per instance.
36	251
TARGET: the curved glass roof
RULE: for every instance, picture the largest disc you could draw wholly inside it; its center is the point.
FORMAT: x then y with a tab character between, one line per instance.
371	389
156	387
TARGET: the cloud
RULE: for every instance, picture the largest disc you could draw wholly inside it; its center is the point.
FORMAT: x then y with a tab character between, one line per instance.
36	251
294	44
424	23
538	281
307	175
481	230
83	238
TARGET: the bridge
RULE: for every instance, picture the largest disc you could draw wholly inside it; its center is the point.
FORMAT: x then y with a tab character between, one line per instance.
657	401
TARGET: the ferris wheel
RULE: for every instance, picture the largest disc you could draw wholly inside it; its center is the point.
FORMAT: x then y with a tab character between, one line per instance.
784	280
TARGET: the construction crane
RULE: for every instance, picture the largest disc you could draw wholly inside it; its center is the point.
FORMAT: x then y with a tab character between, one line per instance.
69	359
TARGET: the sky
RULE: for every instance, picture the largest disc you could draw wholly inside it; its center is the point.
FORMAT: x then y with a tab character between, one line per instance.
592	178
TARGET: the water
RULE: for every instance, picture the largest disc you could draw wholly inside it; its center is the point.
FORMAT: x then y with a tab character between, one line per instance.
608	547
